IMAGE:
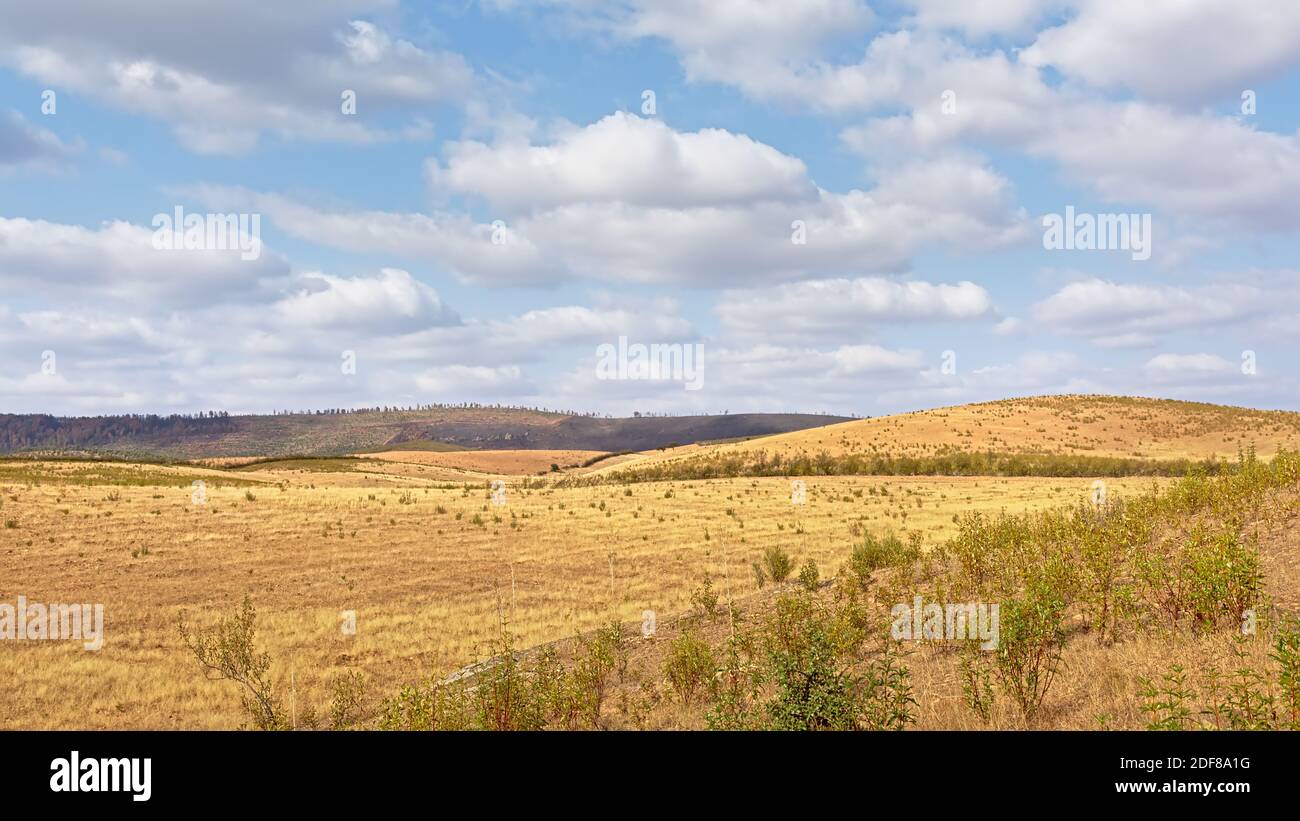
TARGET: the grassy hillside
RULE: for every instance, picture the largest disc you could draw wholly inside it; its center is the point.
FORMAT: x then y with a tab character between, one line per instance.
335	434
1089	435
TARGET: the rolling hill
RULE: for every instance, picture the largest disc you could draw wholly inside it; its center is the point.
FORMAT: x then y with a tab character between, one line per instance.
336	433
1069	425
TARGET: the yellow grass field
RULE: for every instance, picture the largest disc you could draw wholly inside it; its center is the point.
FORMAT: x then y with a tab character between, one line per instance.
491	462
428	567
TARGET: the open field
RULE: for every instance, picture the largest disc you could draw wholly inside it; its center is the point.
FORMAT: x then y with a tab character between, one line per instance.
492	462
428	567
433	559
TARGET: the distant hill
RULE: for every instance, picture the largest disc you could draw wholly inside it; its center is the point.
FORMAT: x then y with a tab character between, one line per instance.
332	434
1119	427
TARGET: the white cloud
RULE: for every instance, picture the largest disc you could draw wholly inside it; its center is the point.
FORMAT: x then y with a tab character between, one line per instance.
1128	315
1007	327
248	69
1138	151
696	225
118	262
1159	48
627	159
836	305
744	43
1185	364
978	18
391	301
461	380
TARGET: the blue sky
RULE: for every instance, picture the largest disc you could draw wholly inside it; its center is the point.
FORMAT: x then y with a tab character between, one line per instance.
919	143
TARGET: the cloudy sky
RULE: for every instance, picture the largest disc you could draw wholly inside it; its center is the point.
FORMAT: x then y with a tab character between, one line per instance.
841	201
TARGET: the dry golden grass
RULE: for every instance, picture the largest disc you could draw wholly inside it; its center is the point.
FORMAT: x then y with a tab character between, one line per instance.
428	568
491	462
1068	425
413	543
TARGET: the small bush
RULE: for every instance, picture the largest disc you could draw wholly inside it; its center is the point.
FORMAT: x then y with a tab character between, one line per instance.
1166	702
348	693
777	564
809	577
506	696
704	599
1029	645
976	670
689	667
428	706
875	553
229	651
887	701
599	657
809	650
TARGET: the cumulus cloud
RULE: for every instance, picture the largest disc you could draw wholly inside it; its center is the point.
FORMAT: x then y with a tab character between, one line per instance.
117	261
393	300
1158	48
714	209
627	159
836	305
1130	315
799	278
1131	151
1183	364
461	380
1151	150
245	70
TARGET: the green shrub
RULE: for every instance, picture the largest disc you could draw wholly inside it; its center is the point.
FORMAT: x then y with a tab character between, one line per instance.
228	651
347	701
1242	699
739	685
428	706
599	657
1166	702
976	671
809	577
887	701
1209	579
1286	652
809	649
1029	645
777	563
506	695
874	553
704	599
689	667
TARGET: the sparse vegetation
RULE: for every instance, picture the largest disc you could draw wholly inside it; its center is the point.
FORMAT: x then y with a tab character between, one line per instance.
1100	597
